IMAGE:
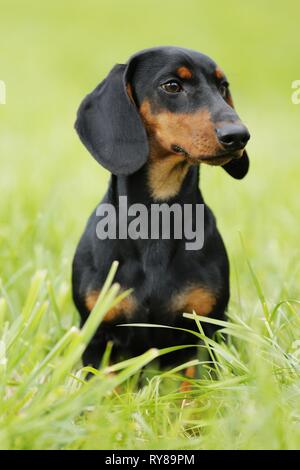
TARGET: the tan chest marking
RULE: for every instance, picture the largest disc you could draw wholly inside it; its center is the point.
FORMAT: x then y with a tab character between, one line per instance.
198	299
126	307
165	176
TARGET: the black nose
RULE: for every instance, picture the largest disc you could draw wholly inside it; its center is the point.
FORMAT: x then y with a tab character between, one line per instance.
233	136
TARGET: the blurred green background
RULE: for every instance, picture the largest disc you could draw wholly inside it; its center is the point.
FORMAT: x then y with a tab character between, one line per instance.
53	53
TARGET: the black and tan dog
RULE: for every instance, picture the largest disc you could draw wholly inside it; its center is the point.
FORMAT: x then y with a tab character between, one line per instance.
151	123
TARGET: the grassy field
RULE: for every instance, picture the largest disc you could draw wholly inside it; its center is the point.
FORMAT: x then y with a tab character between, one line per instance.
51	55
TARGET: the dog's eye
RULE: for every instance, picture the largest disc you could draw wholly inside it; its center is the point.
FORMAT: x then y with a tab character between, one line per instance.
172	87
223	90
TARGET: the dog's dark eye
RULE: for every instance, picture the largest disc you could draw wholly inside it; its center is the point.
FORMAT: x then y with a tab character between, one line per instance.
223	90
172	87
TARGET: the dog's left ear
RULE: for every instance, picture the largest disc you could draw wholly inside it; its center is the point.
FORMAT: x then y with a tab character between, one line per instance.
110	127
237	168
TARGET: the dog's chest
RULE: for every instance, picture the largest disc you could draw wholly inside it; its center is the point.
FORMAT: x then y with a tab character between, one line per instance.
172	281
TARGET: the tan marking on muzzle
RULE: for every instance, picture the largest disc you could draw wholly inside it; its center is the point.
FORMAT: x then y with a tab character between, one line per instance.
194	132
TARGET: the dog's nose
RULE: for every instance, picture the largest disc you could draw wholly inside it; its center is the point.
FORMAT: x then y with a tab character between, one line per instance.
233	136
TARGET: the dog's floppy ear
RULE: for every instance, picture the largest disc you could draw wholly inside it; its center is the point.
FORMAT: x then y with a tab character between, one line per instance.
110	126
237	168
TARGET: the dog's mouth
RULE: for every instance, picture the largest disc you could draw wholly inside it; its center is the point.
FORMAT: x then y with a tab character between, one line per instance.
219	159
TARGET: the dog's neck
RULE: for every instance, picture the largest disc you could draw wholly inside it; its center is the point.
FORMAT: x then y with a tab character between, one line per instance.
159	183
166	177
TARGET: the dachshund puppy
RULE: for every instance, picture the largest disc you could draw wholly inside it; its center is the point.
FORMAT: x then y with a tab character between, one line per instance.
152	122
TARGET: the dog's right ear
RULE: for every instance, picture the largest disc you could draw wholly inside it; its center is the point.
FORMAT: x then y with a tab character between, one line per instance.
109	125
237	168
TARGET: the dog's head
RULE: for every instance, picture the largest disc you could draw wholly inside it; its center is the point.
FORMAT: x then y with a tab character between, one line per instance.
175	99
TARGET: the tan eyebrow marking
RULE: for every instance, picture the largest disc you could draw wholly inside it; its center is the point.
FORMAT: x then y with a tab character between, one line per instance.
218	73
184	72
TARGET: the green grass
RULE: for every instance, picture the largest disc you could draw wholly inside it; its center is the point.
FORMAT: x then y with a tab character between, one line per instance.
51	55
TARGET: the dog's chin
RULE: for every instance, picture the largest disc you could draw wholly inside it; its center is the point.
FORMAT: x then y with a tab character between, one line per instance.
216	160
